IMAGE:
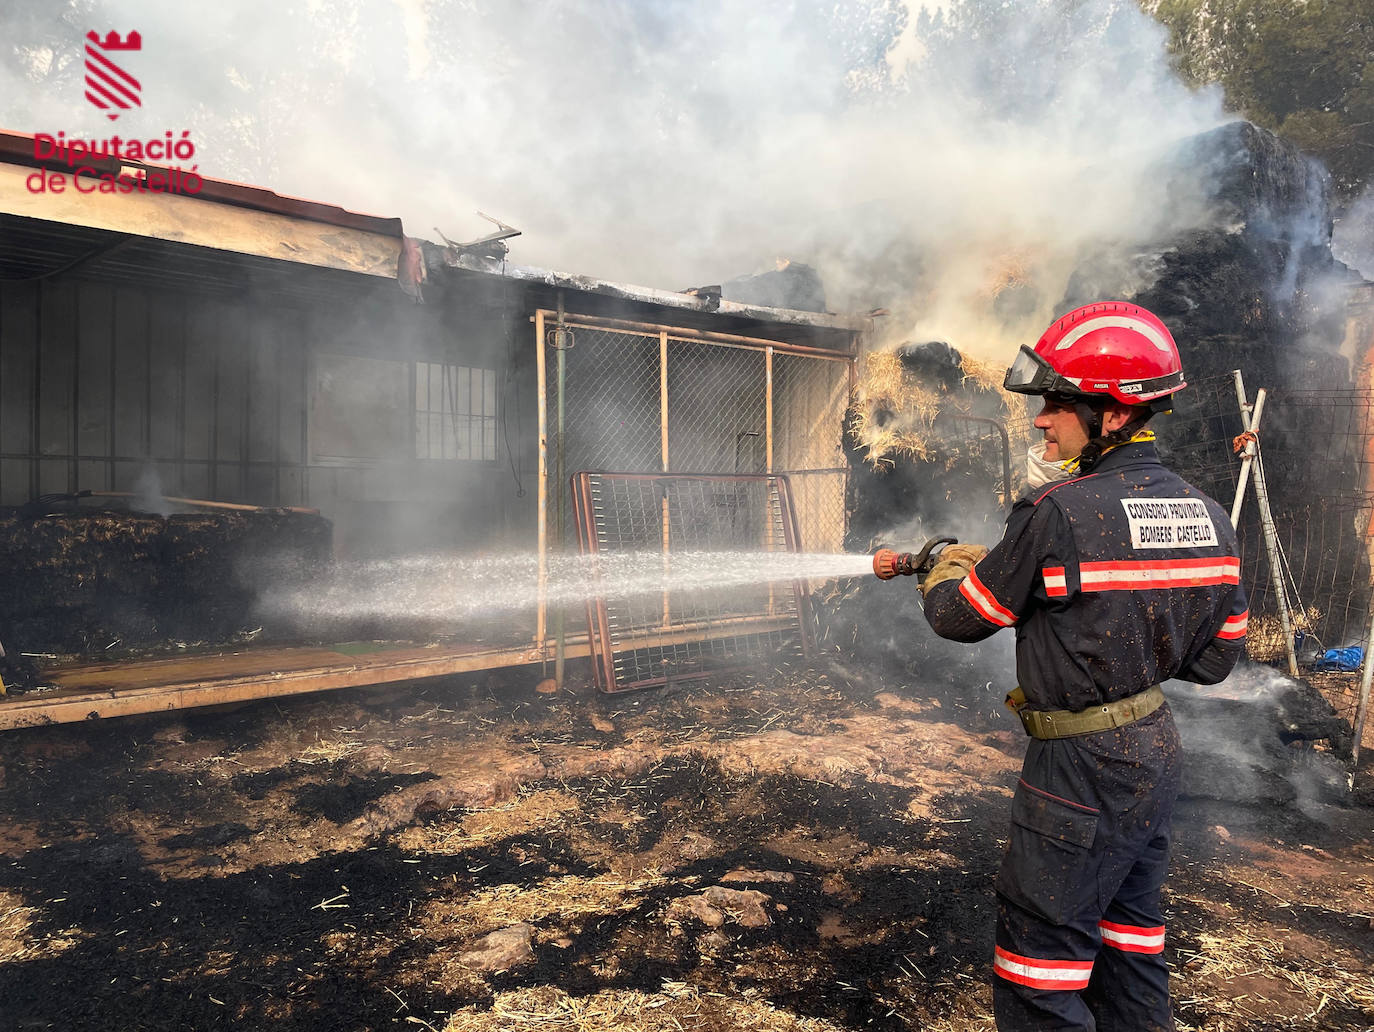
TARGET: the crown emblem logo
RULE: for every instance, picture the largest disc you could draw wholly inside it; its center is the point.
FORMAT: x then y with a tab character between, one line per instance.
109	86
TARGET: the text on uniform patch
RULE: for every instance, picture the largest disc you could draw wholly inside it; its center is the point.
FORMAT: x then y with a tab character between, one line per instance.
1169	523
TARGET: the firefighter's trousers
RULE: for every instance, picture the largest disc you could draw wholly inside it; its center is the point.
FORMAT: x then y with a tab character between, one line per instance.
1080	936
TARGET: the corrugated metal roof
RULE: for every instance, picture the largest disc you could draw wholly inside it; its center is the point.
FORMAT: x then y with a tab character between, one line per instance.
627	292
18	149
35	249
280	245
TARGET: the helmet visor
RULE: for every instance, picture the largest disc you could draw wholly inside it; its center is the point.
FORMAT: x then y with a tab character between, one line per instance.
1031	374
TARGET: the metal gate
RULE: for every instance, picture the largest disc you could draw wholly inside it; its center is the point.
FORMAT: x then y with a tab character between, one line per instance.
652	399
650	523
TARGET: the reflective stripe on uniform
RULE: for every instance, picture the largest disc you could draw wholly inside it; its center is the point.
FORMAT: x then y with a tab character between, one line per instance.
1041	974
1140	575
981	599
1235	626
1132	938
1056	584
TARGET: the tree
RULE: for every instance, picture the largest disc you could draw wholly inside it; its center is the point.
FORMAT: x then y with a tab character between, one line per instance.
1304	68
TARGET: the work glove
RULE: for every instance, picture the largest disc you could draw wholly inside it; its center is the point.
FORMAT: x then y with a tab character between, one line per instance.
955	563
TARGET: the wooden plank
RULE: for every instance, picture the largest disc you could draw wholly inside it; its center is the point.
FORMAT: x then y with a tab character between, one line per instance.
224	227
292	371
153	689
263	389
18	379
230	336
57	374
199	383
85	692
166	385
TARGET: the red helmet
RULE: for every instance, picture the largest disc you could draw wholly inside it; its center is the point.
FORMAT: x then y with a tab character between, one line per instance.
1112	348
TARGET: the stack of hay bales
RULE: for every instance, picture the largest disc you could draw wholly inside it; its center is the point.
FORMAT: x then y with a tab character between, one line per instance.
95	581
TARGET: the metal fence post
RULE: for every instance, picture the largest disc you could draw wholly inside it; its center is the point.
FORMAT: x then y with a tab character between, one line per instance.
541	615
664	513
561	337
1249	420
1271	537
1366	676
1271	545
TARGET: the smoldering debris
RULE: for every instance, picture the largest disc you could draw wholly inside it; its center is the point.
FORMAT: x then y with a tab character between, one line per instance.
108	582
903	391
926	448
928	457
791	285
1259	738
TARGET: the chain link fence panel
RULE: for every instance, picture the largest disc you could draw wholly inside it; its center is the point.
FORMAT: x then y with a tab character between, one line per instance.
649	400
683	629
1316	453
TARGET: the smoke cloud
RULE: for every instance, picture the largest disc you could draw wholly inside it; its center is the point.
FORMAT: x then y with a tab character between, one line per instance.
678	143
1245	740
1352	240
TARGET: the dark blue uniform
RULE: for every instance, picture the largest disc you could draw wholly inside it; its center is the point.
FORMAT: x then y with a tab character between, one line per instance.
1114	581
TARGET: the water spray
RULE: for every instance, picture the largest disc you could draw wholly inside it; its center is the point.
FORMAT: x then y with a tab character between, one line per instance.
459	587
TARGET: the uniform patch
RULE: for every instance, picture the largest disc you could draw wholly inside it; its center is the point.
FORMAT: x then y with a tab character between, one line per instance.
1169	523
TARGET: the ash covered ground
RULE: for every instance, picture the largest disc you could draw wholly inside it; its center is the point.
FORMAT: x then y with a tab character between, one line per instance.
806	848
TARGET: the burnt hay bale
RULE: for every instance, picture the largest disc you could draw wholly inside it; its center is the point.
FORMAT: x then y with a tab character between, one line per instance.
108	582
217	563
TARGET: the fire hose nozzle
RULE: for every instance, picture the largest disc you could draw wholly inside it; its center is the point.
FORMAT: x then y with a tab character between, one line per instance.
885	563
888	564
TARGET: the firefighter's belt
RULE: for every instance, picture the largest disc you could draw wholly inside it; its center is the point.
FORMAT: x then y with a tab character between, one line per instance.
1045	724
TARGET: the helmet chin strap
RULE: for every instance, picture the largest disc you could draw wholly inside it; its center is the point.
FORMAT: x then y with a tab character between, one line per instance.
1098	442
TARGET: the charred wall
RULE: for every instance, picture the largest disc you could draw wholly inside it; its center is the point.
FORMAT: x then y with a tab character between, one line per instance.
258	397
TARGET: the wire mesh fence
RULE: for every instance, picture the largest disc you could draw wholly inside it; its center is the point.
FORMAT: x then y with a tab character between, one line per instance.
1316	455
654	400
685	628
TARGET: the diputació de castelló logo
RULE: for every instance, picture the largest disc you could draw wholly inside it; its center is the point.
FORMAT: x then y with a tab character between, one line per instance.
107	166
109	86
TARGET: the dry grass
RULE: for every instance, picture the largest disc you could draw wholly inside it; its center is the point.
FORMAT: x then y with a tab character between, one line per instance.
910	405
14	927
567	900
535	811
884	383
1226	968
1264	640
17	943
677	1007
328	751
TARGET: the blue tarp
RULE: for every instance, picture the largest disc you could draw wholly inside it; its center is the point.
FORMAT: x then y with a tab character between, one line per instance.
1347	659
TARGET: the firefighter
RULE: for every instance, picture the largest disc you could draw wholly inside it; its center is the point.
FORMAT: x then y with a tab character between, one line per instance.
1117	575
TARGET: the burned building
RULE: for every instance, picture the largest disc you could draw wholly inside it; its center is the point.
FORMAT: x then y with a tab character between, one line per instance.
230	396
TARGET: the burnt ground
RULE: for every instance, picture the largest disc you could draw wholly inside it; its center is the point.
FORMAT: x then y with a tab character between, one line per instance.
799	849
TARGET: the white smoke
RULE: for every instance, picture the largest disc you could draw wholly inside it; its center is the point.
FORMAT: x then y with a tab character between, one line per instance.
675	143
1352	239
1232	735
